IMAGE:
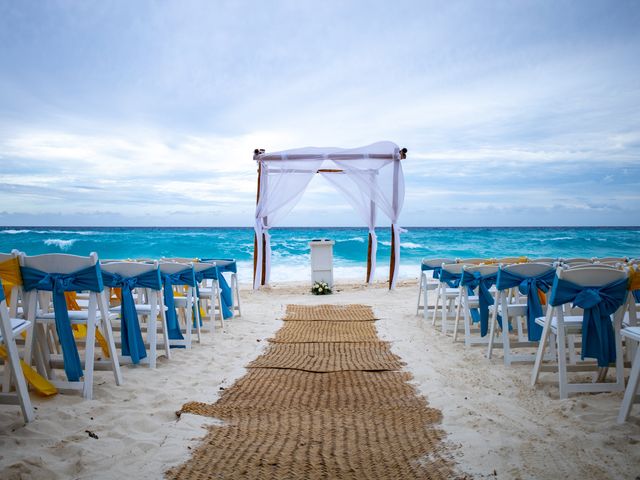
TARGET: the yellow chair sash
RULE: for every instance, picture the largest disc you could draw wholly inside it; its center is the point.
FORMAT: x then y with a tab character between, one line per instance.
634	279
41	385
10	276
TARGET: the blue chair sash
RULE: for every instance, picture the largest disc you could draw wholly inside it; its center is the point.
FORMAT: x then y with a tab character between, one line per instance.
451	279
215	273
529	286
132	342
436	270
636	295
483	283
183	277
598	340
2	297
229	264
58	283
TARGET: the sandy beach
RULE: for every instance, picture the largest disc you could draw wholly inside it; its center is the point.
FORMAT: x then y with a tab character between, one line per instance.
497	425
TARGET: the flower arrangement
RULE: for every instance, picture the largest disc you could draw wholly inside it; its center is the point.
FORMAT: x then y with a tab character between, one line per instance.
320	288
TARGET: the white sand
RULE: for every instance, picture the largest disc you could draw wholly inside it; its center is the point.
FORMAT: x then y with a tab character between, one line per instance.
494	420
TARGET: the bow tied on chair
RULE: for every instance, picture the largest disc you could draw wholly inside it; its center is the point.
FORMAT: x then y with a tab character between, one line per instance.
183	277
599	303
483	283
132	342
529	286
58	283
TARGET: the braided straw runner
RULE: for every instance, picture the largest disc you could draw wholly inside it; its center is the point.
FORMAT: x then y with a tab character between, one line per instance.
348	313
348	422
319	331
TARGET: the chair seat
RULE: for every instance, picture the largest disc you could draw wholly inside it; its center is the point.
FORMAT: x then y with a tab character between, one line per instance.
140	308
205	292
180	302
75	316
572	323
632	333
515	309
18	325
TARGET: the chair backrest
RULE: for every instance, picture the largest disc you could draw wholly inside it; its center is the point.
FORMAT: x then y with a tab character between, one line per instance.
436	262
592	276
475	261
128	269
510	260
591	265
201	266
610	260
484	270
8	256
543	260
170	268
58	262
575	261
528	269
220	262
453	268
178	260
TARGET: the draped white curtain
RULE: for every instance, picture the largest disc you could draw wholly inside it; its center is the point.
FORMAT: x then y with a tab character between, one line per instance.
369	177
363	204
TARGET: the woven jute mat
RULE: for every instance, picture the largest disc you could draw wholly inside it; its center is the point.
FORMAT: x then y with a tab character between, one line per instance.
320	411
329	357
321	331
336	313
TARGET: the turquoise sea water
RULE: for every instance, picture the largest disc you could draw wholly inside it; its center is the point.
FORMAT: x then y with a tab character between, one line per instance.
291	250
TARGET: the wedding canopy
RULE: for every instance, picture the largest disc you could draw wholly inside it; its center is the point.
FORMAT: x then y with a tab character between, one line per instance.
369	177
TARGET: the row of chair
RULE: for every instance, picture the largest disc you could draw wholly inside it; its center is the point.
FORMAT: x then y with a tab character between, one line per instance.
61	302
591	305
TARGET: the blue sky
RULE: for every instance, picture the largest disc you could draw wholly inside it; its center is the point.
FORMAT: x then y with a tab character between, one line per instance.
147	113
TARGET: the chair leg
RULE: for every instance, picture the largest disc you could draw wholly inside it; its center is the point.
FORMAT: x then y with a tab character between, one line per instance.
563	381
234	280
108	334
443	310
16	370
152	331
542	345
420	293
90	342
632	389
435	306
165	330
506	341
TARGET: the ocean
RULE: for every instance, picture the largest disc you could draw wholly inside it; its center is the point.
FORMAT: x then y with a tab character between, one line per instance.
290	260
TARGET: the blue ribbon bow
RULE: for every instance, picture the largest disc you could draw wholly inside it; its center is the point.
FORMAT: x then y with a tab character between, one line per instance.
132	342
215	273
451	279
598	340
483	283
436	270
58	283
529	286
183	277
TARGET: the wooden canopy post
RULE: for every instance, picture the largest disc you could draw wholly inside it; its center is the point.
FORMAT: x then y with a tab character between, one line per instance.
257	152
396	168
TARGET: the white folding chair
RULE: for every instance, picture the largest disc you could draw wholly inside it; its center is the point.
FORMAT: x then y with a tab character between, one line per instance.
561	325
10	328
184	302
468	302
44	332
450	296
149	307
514	312
631	335
427	284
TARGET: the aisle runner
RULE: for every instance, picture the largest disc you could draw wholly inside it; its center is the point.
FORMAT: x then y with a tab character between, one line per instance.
331	403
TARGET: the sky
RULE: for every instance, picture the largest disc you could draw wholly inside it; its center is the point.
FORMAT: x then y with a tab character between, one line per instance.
514	113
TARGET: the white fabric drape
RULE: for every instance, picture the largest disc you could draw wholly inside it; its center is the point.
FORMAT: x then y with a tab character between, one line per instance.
369	177
282	183
363	204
